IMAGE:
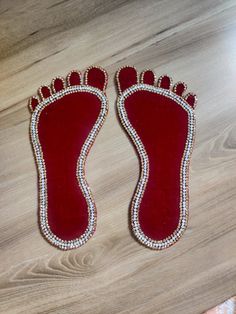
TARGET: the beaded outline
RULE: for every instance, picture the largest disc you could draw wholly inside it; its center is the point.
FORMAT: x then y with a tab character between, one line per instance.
63	81
142	76
80	171
69	75
99	68
144	174
176	85
160	79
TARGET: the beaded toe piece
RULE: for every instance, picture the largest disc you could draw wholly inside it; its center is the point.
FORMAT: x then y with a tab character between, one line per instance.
161	124
66	118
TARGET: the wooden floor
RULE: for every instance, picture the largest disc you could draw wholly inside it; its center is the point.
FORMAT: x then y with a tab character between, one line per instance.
191	40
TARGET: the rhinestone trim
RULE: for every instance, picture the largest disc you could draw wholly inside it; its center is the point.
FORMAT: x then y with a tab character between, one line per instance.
144	174
80	172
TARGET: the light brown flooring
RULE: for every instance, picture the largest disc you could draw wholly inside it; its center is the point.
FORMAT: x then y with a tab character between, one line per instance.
191	40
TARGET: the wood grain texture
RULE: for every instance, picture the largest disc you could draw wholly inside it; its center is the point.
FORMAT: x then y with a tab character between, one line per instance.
191	40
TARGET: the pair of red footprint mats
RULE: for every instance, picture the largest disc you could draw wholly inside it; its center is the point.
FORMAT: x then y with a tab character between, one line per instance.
64	124
66	118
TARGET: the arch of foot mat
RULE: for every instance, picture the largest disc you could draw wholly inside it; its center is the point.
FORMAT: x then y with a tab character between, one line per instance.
126	77
96	77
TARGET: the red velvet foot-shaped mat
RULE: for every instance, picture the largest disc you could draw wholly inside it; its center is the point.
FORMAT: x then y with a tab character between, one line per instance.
66	118
160	122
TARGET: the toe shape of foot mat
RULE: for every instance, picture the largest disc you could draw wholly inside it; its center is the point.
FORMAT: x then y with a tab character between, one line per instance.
160	121
66	117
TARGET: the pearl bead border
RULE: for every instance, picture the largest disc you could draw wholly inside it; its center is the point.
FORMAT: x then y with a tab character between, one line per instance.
80	171
144	174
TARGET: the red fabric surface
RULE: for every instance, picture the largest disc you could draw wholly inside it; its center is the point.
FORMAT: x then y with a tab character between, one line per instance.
33	102
127	77
148	77
75	78
46	92
58	84
180	88
191	99
97	78
63	127
162	126
165	82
